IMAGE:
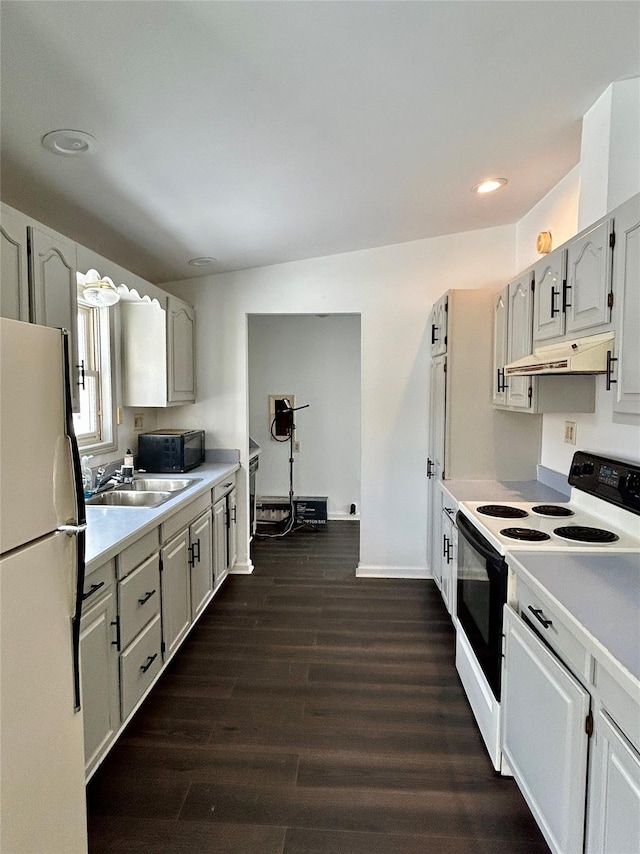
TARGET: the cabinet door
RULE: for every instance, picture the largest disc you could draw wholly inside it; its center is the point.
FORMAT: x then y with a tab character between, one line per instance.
500	327
201	559
449	558
219	540
548	317
544	740
176	593
54	290
613	819
14	276
99	677
435	461
438	324
626	272
180	350
519	340
232	525
589	280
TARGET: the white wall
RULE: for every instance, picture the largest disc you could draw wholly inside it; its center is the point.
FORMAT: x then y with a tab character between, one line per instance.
318	360
556	212
392	288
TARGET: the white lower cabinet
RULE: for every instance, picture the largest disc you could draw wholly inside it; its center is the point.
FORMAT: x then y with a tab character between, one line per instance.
139	635
201	561
570	728
176	593
449	556
100	690
140	663
544	739
139	607
614	792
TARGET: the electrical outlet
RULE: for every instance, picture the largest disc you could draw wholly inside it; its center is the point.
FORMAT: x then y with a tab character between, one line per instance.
296	447
119	415
570	430
138	422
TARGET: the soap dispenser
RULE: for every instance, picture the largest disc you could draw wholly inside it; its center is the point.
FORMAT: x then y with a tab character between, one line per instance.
87	476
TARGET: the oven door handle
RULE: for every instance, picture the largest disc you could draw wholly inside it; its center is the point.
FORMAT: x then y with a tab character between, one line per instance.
477	541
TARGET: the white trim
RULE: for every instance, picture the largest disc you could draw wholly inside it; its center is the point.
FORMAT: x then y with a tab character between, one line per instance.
242	568
379	571
337	516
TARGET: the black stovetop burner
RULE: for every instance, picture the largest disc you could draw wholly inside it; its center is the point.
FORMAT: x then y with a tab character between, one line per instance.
583	534
502	511
551	510
527	534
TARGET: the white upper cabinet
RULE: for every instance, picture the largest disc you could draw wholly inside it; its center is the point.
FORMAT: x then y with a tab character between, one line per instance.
587	298
513	315
500	331
548	316
158	353
626	279
519	389
181	321
14	276
438	325
54	290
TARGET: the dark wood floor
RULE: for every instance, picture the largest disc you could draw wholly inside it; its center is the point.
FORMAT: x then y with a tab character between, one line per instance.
309	712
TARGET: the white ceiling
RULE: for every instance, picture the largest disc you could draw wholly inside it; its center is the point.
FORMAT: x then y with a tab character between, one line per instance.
262	132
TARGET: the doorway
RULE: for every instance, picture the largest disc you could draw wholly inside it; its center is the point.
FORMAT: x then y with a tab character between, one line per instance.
317	360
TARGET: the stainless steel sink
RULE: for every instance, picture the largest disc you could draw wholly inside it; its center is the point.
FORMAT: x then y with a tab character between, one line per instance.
129	498
167	484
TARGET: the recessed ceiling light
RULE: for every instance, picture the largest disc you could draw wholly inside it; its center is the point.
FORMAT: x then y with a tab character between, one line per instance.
69	142
202	262
490	185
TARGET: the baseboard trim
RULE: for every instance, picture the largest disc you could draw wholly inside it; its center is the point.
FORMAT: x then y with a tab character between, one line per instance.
242	569
377	571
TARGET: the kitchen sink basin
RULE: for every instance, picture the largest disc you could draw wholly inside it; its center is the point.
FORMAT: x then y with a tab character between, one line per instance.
167	484
129	498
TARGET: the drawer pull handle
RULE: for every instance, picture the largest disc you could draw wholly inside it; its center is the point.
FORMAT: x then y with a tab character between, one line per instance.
144	667
537	613
146	597
92	590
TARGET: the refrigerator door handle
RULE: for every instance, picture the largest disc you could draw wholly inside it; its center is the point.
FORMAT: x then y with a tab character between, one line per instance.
71	530
80	522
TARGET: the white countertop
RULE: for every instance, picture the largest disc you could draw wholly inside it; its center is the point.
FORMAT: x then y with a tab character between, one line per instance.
111	529
599	592
496	490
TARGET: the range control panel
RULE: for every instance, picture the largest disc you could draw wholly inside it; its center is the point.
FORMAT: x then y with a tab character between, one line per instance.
615	481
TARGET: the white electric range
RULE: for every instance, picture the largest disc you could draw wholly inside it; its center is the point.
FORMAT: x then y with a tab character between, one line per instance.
601	516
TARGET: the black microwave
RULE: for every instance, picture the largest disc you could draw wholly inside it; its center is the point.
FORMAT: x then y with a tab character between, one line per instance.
161	451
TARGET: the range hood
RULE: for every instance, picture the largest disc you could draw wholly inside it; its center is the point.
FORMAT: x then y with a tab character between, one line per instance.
580	356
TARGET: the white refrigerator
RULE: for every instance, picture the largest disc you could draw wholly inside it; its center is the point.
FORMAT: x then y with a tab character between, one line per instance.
42	521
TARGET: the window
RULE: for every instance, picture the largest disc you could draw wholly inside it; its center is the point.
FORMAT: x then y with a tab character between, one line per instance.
94	424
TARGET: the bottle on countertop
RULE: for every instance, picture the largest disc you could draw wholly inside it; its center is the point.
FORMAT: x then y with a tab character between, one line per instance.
87	476
127	467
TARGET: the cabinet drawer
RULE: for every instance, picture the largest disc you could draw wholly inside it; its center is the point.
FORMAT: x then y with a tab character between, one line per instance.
137	552
556	634
97	582
184	517
622	705
225	486
139	599
139	665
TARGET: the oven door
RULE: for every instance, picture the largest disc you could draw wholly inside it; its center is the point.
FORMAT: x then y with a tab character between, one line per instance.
481	595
